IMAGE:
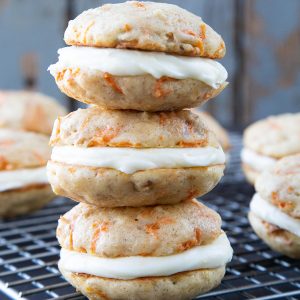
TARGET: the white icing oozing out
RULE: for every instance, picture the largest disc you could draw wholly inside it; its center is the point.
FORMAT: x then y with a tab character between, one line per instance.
123	62
211	256
130	160
257	161
22	177
270	213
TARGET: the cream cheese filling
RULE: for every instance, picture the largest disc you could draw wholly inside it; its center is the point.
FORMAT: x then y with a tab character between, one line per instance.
257	161
130	160
22	177
123	62
271	214
211	256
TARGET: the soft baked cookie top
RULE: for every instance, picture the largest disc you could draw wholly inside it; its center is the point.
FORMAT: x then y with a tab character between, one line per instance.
145	26
281	185
94	127
148	231
211	123
20	149
275	136
28	110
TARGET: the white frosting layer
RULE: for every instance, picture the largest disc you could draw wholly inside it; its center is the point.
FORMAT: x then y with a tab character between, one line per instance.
210	256
123	62
130	160
257	161
19	178
270	213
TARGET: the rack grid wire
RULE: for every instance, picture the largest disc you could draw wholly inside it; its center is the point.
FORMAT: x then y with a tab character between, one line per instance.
29	250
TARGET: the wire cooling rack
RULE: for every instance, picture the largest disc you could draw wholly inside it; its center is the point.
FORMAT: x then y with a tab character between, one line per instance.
29	250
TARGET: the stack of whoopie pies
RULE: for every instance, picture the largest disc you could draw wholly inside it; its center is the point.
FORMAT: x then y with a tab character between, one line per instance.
133	160
26	120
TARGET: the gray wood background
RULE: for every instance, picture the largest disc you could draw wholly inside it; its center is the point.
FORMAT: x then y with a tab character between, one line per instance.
262	38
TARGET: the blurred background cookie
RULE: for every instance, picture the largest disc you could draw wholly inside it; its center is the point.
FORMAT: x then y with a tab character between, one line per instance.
121	158
24	185
107	63
275	208
28	110
157	252
268	140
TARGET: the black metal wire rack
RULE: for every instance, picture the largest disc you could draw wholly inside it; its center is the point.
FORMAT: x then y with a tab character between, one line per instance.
29	250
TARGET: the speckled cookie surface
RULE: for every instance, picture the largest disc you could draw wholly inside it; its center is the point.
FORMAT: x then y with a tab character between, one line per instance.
281	185
95	127
145	26
214	126
181	286
105	187
275	136
29	111
144	92
154	230
20	149
24	200
278	239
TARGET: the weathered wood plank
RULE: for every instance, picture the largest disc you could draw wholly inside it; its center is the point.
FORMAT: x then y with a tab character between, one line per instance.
31	32
272	49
